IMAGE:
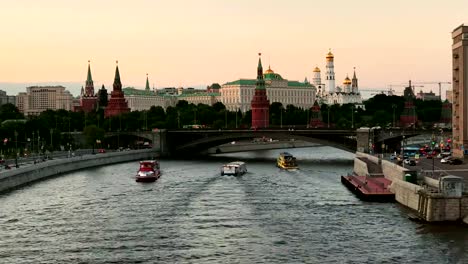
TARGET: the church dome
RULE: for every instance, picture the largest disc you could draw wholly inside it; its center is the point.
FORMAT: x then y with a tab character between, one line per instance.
330	55
269	70
316	69
347	80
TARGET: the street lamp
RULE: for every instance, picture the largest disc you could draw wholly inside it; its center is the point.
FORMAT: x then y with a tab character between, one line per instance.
16	149
51	142
281	116
225	118
352	116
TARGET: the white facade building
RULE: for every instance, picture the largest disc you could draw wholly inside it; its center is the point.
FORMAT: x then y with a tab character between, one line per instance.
37	99
237	95
347	94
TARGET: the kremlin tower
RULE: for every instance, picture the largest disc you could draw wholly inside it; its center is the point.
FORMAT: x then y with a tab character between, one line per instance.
260	104
88	99
354	83
117	104
330	74
316	119
409	117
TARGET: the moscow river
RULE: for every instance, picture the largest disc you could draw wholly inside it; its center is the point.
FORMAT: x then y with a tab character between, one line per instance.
194	215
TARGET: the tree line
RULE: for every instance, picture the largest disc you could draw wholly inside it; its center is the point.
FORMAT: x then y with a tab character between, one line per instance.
52	130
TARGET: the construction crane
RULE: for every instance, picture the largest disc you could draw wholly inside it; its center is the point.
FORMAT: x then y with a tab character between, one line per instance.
388	92
440	86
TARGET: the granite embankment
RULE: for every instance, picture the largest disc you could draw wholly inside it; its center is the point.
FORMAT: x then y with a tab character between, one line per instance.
16	177
424	196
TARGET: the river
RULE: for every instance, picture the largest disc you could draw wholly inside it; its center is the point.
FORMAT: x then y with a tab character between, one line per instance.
194	215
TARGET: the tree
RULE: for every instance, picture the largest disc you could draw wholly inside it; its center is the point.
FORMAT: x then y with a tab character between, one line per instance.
93	133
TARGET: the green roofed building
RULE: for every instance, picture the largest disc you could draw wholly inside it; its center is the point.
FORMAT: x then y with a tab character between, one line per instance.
238	94
139	100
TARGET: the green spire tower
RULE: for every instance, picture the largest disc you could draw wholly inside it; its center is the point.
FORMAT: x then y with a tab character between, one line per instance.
147	87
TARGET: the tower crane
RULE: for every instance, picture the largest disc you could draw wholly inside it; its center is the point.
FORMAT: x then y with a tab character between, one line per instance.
440	86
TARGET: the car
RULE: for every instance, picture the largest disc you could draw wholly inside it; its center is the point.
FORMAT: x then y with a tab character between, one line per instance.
455	161
393	157
410	162
101	151
446	159
429	156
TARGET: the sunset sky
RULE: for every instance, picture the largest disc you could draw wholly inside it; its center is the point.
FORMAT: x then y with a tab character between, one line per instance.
195	43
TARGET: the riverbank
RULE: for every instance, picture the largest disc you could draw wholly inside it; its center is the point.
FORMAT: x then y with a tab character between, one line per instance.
426	197
16	177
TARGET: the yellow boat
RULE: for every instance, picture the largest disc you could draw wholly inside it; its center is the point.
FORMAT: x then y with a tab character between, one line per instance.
286	161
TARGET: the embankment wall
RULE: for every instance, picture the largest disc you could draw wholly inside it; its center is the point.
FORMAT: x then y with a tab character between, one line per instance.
26	174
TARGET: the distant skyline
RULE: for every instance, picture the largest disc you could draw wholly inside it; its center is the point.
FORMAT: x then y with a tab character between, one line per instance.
196	43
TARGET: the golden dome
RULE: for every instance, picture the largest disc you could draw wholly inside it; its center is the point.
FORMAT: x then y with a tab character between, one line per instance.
269	70
330	56
316	69
347	80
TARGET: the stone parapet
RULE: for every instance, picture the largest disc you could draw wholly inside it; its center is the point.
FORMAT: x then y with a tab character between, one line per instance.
26	174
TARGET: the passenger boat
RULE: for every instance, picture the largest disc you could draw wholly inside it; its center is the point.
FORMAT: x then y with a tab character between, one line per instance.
235	168
286	161
149	171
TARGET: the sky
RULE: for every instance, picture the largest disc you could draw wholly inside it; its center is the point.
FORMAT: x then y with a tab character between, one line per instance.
192	43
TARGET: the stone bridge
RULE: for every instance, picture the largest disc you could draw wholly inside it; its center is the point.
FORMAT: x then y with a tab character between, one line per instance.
183	142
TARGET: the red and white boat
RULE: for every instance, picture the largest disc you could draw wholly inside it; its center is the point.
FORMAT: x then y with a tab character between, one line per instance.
149	171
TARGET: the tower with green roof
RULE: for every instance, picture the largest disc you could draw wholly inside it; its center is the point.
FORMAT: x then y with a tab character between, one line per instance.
117	103
88	100
260	104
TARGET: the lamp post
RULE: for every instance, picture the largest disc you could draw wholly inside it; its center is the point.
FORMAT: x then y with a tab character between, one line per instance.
51	136
225	118
178	119
352	116
236	117
281	117
328	116
194	116
16	149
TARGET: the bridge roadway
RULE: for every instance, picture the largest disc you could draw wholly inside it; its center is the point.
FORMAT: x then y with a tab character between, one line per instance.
178	142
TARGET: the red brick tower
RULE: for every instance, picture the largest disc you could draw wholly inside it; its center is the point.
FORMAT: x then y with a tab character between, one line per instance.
408	117
88	99
316	119
117	104
260	104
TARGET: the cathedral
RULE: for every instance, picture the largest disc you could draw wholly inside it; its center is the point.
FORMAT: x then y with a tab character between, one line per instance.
328	93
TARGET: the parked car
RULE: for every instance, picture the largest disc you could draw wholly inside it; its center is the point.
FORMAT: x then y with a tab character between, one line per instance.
101	151
455	161
393	157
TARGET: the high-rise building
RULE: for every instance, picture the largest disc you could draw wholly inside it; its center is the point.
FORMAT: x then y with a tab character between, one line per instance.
260	104
37	99
7	99
460	91
117	103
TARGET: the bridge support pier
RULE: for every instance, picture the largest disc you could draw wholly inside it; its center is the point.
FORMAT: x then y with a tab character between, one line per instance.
364	140
163	145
